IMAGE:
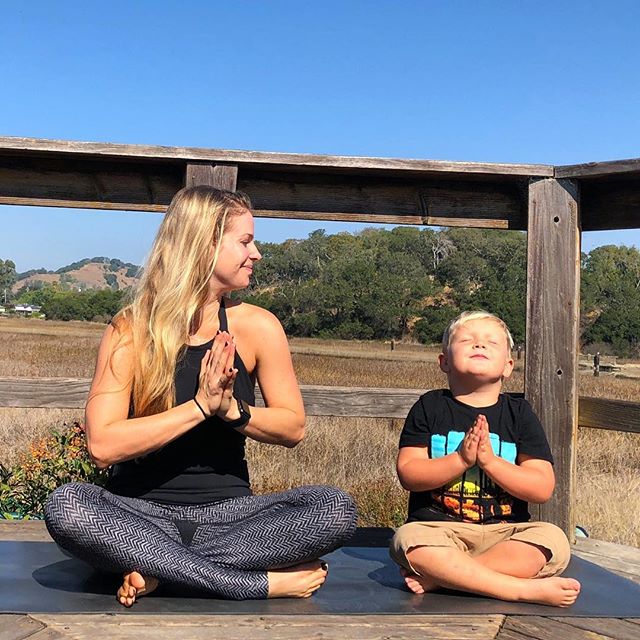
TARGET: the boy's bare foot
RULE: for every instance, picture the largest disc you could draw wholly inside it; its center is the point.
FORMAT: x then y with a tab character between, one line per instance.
558	592
299	581
418	584
134	586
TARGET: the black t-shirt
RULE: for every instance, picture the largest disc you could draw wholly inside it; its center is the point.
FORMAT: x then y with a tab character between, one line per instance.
206	464
440	422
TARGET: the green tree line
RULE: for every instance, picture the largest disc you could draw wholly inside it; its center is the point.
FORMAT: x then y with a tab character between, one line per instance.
404	283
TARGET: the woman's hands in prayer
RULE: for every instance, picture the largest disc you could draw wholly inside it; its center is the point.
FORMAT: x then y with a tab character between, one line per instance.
217	376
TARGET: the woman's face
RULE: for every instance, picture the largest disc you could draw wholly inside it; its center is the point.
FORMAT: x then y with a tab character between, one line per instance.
238	253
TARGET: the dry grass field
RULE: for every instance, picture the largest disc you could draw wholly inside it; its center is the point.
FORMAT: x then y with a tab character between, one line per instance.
357	454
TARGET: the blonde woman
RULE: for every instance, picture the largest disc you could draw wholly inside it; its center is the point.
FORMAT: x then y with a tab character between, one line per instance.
170	406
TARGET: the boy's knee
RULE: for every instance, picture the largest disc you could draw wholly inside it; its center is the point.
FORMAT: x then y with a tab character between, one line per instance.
424	536
552	538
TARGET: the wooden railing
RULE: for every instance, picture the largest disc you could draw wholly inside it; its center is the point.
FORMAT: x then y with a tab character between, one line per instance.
366	402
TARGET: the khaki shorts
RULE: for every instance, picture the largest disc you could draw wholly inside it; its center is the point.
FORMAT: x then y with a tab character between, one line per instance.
475	539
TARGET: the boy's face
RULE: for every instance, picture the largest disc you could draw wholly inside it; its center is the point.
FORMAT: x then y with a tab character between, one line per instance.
478	348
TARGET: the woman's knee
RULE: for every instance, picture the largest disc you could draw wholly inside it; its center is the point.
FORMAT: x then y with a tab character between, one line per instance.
66	508
337	506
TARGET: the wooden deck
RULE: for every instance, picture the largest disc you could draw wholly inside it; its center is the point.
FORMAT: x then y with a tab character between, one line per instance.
624	561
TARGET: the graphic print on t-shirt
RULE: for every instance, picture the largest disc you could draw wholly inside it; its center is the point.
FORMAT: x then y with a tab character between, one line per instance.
474	497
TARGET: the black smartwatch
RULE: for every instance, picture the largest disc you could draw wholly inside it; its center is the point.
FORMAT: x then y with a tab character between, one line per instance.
245	415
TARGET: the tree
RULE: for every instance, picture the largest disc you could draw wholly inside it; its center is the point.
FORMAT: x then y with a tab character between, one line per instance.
7	279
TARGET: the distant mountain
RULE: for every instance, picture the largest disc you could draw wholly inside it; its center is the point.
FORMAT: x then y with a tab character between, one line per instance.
90	273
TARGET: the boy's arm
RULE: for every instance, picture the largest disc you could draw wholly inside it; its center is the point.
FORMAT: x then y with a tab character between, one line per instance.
418	472
530	479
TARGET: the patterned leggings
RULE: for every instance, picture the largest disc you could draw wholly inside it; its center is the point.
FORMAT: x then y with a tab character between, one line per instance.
224	548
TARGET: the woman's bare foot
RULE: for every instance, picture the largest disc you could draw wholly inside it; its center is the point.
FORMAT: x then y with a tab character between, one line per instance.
134	586
299	581
418	584
558	592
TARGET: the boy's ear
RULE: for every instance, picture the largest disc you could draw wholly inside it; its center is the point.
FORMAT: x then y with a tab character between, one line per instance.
443	361
508	368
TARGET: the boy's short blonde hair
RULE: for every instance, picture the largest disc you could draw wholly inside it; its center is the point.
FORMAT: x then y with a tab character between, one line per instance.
467	316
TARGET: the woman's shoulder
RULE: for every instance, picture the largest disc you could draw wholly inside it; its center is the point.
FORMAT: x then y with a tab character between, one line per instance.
243	315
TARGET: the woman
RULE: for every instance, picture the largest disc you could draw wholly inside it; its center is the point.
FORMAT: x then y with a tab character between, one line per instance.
170	406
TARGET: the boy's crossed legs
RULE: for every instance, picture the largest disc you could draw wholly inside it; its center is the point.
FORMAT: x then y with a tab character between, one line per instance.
515	561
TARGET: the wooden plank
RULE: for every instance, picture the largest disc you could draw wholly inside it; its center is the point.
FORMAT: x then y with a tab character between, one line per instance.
610	204
220	176
609	627
18	627
96	184
615	415
24	530
378	199
553	311
69	148
281	627
618	558
539	628
598	169
320	400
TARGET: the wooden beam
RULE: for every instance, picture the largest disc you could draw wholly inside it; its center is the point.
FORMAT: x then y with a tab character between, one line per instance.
610	204
132	185
220	176
369	402
35	147
614	415
553	310
590	170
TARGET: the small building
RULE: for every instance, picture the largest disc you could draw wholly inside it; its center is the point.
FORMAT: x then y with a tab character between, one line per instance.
27	309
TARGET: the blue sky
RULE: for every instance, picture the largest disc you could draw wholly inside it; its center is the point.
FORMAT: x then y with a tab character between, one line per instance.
551	81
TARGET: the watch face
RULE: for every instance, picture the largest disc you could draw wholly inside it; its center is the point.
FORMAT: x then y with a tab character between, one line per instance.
243	407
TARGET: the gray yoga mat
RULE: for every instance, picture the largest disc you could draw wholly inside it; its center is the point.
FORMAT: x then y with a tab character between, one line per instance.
36	577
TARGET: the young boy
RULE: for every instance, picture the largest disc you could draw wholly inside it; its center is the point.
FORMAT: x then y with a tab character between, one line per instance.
472	458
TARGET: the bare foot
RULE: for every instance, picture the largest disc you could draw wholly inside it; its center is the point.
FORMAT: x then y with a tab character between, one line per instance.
299	581
418	584
134	586
558	592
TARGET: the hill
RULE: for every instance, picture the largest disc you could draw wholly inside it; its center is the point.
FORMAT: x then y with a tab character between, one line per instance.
90	273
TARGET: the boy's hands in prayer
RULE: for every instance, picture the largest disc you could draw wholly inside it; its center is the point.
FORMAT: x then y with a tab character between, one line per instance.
468	448
485	455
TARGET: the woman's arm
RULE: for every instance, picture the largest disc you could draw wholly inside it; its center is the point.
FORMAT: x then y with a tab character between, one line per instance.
113	437
282	419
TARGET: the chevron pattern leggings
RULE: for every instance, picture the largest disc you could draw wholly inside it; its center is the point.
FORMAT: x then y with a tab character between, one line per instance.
223	548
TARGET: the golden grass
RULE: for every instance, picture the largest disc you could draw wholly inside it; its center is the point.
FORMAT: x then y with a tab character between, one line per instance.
357	454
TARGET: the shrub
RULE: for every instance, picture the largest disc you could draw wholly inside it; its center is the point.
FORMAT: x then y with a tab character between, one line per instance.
57	459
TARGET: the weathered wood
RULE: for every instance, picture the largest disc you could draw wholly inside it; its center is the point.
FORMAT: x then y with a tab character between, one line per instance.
371	402
609	627
615	415
539	628
610	204
24	530
220	176
618	558
99	184
36	147
599	169
18	627
265	627
553	310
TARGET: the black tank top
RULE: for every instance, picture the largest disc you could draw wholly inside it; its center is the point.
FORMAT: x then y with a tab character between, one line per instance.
207	463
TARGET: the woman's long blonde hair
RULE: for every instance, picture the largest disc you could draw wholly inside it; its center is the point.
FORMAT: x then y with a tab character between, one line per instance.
173	289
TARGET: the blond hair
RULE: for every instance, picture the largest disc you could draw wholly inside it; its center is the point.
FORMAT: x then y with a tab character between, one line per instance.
173	289
467	316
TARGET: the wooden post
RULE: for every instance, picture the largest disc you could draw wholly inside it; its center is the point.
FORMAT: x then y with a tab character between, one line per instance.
553	313
221	176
